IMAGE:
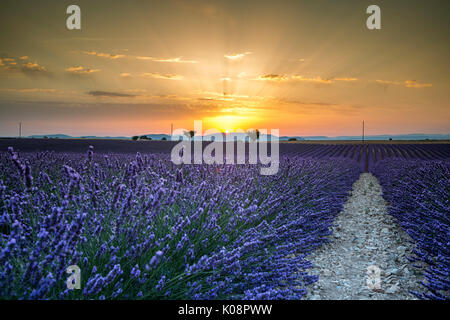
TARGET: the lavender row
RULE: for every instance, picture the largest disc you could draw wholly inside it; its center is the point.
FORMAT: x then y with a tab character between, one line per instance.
418	193
368	155
140	227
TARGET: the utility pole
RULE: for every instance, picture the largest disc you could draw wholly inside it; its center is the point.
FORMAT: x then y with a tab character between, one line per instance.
20	129
171	129
363	132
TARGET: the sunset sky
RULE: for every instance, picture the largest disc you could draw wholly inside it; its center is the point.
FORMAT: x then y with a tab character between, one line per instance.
303	67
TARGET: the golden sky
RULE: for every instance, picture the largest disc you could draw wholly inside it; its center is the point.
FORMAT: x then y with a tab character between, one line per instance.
303	67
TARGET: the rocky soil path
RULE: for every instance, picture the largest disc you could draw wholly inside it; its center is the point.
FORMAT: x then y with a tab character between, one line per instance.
365	241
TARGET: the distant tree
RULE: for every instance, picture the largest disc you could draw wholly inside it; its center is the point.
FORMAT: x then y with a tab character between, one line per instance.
190	134
254	134
292	139
163	139
390	139
134	138
143	138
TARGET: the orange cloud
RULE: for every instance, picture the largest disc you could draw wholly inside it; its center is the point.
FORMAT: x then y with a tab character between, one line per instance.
345	79
315	79
172	60
33	68
155	75
81	70
415	84
31	90
299	78
104	55
236	56
273	77
406	83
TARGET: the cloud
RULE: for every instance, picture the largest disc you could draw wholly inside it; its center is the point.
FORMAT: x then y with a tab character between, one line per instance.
273	77
125	75
305	103
406	83
345	79
161	76
387	82
23	58
315	79
136	90
171	60
110	94
299	78
31	68
105	55
79	70
236	56
415	84
30	90
11	64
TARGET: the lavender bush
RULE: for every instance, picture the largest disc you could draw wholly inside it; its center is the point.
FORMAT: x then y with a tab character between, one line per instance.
140	227
419	195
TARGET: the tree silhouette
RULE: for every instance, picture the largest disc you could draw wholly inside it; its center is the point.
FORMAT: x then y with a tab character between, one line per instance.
254	134
190	134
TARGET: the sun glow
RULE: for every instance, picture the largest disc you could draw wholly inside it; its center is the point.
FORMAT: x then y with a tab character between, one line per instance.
229	123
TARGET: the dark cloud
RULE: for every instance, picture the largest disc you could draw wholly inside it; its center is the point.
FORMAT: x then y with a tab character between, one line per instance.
273	77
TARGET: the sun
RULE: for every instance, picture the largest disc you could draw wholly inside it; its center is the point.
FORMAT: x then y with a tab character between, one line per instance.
227	131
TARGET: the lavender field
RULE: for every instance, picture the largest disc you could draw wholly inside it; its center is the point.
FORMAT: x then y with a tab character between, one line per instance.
140	227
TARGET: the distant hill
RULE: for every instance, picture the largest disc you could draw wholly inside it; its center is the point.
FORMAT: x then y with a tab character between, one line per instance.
242	136
65	136
413	136
53	136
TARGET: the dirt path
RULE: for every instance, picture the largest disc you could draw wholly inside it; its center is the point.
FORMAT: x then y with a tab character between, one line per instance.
364	235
